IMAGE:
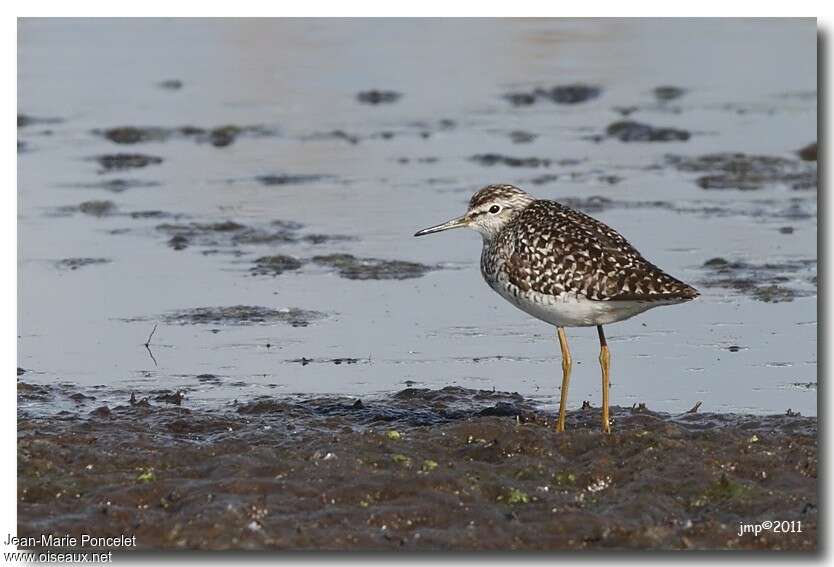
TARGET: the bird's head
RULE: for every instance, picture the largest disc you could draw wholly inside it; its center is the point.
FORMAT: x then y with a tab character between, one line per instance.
489	210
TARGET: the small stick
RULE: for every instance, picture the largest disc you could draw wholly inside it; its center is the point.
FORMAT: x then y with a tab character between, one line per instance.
148	346
695	408
148	342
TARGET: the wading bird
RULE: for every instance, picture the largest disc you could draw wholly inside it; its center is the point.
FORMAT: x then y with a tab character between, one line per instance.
565	268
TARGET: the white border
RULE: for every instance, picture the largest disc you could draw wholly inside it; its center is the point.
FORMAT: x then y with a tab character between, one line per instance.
599	8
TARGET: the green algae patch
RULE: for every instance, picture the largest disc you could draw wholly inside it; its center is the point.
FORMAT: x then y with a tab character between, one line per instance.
516	496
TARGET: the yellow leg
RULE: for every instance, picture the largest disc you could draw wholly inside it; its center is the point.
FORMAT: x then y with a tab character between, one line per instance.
605	364
566	367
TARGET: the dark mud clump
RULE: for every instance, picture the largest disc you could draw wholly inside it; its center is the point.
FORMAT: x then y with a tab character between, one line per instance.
747	172
564	94
207	234
354	268
668	93
304	361
592	204
223	136
378	97
117	185
220	136
209	379
794	209
569	94
178	242
183	235
169	397
170	84
340	135
97	208
449	469
118	162
522	137
772	282
499	159
24	120
630	131
153	214
521	98
412	406
808	153
275	265
134	135
75	263
230	234
33	392
544	179
287	179
405	160
242	315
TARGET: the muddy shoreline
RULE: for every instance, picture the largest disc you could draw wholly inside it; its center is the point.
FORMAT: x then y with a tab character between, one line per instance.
421	469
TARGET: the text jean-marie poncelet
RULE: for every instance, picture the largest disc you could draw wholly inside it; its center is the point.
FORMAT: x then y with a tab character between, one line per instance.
68	541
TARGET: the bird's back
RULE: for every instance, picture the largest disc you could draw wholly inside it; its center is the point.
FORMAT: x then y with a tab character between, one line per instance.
551	249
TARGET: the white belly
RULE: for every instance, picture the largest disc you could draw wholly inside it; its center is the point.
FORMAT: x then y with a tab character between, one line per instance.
570	310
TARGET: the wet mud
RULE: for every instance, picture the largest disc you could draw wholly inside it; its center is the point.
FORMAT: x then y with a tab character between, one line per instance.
500	159
565	94
667	93
765	209
405	160
771	282
97	208
630	131
229	234
304	361
522	137
219	136
25	120
350	267
339	135
170	84
117	185
420	469
275	265
287	179
240	315
75	263
374	97
421	129
747	172
119	162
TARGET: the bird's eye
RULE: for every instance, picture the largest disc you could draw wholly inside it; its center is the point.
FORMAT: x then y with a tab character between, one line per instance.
494	209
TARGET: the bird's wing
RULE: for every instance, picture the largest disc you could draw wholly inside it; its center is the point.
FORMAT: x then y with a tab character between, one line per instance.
559	250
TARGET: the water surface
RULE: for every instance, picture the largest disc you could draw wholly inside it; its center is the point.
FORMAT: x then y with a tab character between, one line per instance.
749	86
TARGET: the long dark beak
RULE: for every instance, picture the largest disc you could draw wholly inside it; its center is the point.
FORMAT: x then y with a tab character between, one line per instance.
459	222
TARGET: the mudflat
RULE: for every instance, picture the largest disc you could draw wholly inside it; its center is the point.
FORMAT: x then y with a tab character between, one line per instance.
421	469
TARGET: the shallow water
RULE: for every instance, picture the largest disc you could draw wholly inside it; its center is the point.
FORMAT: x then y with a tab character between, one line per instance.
397	167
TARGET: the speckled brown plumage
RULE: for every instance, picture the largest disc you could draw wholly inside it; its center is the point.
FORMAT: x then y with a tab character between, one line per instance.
554	250
564	268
